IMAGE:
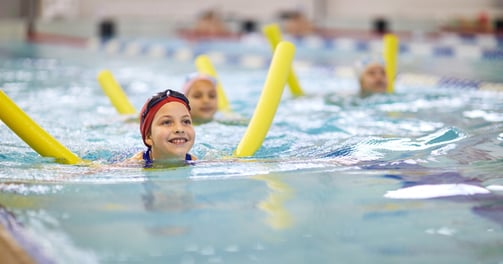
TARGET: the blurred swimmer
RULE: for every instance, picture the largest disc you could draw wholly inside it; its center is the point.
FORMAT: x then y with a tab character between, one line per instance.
371	74
201	90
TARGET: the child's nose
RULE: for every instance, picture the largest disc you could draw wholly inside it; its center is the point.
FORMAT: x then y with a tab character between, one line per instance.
179	128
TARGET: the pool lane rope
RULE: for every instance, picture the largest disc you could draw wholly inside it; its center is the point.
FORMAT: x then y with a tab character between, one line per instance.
273	34
390	58
31	133
204	65
113	90
268	102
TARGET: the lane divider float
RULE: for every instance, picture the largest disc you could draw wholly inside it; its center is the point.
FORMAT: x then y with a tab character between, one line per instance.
115	93
204	65
273	34
390	58
31	133
268	102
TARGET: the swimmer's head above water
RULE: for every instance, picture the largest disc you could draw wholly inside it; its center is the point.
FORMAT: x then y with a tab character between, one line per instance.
371	73
201	90
166	126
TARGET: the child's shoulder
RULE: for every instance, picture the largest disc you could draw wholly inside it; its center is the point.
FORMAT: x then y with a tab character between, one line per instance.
135	158
192	157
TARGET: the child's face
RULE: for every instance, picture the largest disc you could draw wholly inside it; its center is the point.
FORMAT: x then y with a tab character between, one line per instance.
203	101
171	133
373	79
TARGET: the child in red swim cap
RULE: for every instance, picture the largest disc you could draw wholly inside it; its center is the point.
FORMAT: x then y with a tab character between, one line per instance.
166	129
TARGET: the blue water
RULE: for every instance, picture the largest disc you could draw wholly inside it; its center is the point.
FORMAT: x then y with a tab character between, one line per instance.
328	185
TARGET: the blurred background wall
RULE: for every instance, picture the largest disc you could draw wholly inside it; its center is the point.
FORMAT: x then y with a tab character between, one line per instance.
164	17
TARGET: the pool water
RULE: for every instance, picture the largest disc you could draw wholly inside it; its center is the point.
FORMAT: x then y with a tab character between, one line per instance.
413	177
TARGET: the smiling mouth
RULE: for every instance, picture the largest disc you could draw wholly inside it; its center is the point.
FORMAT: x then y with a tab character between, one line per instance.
178	141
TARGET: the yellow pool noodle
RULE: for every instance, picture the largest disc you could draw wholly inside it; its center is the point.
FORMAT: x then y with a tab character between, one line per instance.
273	205
273	34
390	57
268	101
115	93
31	133
204	65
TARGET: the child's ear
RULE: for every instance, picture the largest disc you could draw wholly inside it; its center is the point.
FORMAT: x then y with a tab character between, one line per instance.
148	140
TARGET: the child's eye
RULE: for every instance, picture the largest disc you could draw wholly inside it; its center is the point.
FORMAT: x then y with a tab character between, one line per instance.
187	121
167	122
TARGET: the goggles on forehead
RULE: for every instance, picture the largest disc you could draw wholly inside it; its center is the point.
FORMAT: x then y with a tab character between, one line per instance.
154	100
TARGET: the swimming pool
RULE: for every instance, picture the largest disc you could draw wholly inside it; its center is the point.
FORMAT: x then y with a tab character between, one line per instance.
338	178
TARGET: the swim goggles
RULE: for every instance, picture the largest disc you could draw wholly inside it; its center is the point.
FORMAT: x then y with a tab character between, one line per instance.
154	100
